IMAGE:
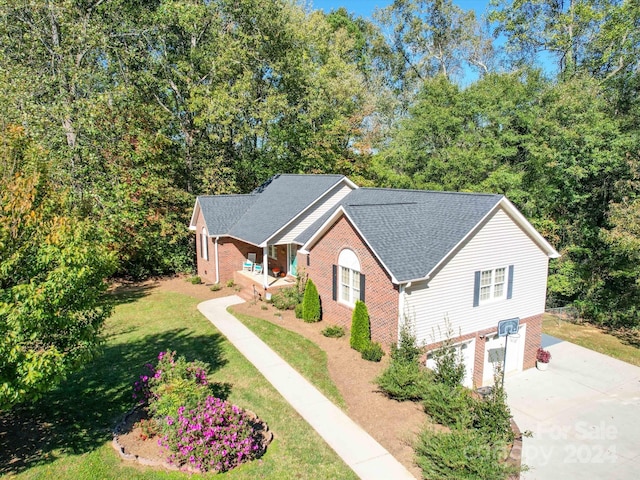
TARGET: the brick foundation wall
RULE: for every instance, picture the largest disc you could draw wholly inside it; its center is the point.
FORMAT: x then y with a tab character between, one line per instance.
533	340
381	296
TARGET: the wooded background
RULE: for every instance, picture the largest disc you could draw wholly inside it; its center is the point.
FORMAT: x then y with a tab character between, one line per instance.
115	114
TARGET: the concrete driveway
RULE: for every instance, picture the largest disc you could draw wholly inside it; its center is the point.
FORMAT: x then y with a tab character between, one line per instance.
584	412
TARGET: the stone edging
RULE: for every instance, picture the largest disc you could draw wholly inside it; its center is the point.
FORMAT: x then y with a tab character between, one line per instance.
117	431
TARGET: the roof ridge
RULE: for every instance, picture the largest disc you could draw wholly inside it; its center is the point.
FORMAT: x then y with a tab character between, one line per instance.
447	192
227	195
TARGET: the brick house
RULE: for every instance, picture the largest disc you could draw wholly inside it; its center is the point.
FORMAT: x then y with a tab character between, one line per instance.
438	260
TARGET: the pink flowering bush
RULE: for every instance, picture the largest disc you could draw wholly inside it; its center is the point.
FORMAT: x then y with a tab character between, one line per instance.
213	436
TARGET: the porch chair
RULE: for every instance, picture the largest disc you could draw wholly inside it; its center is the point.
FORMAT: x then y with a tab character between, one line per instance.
257	268
249	263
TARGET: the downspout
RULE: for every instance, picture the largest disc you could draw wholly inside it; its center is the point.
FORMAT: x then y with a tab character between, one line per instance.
265	267
215	254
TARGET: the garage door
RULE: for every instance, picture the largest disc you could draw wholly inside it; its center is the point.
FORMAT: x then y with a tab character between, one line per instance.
466	353
494	355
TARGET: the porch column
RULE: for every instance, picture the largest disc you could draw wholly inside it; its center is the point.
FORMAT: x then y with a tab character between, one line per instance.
265	267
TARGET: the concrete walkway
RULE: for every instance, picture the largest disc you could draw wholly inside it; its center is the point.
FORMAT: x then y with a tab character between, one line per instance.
366	457
584	414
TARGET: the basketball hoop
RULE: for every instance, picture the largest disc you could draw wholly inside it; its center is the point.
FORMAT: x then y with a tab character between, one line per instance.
514	337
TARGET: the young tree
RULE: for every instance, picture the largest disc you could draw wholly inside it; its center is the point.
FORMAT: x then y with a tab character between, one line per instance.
52	281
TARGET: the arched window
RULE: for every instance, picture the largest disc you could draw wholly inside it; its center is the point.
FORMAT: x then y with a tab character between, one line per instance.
349	281
204	244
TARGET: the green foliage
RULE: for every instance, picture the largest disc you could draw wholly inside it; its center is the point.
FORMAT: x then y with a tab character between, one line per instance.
52	281
195	280
173	383
298	310
289	297
333	331
360	329
449	369
450	406
373	352
407	349
216	287
403	380
231	283
492	416
461	454
311	303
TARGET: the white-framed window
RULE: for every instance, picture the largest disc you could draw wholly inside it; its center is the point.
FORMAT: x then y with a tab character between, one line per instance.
204	244
273	251
493	284
348	277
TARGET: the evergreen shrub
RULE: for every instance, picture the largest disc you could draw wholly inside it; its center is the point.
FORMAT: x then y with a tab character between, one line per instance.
360	328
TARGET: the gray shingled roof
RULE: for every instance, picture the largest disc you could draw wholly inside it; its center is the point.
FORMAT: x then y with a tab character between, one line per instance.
255	217
412	230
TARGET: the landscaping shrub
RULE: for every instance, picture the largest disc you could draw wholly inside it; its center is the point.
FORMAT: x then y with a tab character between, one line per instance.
492	416
286	298
360	329
407	347
213	436
448	406
449	369
404	380
195	280
373	352
171	384
298	311
216	287
231	283
311	303
333	331
461	455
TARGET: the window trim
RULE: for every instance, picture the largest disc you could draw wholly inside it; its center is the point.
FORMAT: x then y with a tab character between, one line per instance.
506	284
272	251
348	264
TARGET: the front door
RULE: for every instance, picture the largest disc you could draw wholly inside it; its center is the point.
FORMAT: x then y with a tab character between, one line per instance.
292	251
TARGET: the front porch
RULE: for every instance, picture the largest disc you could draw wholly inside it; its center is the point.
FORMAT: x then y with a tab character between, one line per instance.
252	284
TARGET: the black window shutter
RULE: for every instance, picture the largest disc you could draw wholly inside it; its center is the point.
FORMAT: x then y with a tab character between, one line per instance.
362	285
476	289
510	283
308	259
335	282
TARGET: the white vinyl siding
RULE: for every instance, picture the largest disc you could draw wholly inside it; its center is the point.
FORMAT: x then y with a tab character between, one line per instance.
450	292
307	218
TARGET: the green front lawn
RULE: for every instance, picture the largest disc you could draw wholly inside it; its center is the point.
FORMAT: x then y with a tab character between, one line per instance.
67	433
623	345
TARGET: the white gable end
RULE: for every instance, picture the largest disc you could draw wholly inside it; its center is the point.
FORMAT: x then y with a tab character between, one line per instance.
305	220
449	294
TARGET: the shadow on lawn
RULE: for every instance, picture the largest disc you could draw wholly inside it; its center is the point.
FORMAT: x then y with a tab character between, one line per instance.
78	416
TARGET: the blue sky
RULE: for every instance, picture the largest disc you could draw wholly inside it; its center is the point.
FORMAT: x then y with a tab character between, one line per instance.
365	8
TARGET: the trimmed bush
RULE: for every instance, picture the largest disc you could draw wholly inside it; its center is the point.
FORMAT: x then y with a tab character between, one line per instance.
311	303
373	352
453	407
360	329
195	280
298	311
404	380
333	331
461	455
216	287
231	283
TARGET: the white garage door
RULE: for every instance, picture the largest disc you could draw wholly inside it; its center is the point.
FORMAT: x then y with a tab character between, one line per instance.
494	355
466	353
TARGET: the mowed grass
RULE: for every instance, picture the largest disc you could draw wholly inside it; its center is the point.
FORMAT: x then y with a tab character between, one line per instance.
302	354
623	345
67	434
